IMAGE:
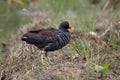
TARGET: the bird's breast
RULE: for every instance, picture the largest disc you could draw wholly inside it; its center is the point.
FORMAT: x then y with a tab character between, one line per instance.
62	39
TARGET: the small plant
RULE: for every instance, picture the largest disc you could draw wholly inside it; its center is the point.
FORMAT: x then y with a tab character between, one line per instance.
102	69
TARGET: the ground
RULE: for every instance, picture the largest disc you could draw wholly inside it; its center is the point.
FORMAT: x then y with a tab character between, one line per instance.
92	54
76	61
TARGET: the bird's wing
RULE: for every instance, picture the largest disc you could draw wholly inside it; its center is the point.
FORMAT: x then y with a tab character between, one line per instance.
46	35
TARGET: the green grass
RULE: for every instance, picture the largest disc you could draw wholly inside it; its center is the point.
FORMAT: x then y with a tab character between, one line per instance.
86	53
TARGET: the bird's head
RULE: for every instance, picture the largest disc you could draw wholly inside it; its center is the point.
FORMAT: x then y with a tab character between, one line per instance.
65	25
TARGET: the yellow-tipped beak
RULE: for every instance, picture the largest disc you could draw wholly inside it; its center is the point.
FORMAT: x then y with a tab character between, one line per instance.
71	27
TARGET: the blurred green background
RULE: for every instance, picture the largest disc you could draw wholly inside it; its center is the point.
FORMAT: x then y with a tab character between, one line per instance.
82	13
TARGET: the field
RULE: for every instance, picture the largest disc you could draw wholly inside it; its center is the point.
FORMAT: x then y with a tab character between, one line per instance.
92	54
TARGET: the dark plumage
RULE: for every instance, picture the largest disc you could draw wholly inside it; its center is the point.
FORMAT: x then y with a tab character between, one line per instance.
49	39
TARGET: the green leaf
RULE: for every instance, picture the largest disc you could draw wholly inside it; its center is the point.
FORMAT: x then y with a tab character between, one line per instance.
98	68
102	69
106	66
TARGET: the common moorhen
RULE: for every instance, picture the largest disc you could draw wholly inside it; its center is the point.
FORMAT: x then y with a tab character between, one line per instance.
50	39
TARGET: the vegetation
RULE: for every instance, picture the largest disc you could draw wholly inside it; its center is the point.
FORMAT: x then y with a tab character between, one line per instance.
94	50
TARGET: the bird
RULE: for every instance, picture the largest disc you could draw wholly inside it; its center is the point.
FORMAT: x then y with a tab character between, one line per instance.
49	39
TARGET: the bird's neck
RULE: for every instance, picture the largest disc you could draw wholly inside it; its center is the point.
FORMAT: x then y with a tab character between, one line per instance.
65	30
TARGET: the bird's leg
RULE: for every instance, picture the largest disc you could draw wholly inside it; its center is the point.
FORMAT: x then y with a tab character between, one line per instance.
46	54
42	51
42	57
